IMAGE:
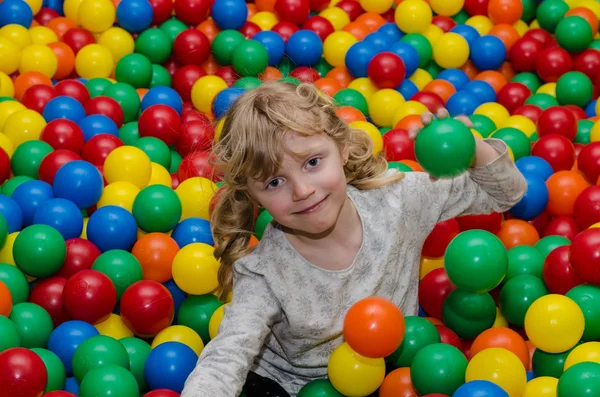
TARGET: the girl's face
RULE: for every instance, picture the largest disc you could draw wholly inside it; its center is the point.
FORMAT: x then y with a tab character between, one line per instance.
305	195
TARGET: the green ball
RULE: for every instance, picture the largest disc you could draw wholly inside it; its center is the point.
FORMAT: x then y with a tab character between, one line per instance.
319	388
247	83
262	221
482	124
156	149
399	166
461	17
445	148
529	10
550	12
10	185
175	161
134	69
127	97
97	85
574	33
419	333
468	314
109	380
574	88
195	312
433	69
155	45
6	98
549	364
39	250
543	101
34	324
172	28
547	244
15	281
422	45
580	380
584	128
595	45
9	334
516	140
3	230
438	368
322	67
54	367
27	158
121	267
99	350
250	58
476	261
157	208
529	80
129	133
524	259
138	351
160	77
352	97
518	294
223	45
587	298
286	66
290	79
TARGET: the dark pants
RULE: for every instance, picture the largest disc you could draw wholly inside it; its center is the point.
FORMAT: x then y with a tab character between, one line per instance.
259	386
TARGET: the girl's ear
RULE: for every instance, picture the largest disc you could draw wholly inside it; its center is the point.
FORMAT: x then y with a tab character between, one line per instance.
345	154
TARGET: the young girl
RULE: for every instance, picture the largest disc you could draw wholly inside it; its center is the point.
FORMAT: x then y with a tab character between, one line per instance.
343	229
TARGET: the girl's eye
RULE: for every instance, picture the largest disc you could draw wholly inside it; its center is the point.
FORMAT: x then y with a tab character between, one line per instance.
274	183
313	162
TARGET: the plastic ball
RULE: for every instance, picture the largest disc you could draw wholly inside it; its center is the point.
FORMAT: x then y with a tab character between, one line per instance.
585	296
205	90
110	379
535	200
16	12
157	209
114	327
168	365
65	339
23	126
134	15
386	70
96	15
79	182
451	51
112	227
128	164
574	33
62	215
94	60
195	269
147	307
543	386
89	296
23	371
564	187
438	368
467	313
29	195
480	388
488	52
97	351
336	46
419	333
413	16
160	121
579	380
353	374
499	366
574	88
121	267
33	323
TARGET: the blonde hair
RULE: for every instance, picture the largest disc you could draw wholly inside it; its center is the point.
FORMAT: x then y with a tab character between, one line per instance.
251	145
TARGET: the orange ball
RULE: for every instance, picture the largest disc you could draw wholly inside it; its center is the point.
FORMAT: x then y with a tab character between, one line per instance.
373	20
341	74
413	165
350	114
504	338
155	252
5	300
209	28
358	30
469	69
531	348
563	189
29	79
508	34
586	14
507	71
210	66
434	321
328	85
505	11
270	74
410	121
398	384
265	5
141	92
444	89
65	57
61	25
493	78
515	232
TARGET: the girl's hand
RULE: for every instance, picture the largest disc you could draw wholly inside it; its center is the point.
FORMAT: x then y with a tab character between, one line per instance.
442	113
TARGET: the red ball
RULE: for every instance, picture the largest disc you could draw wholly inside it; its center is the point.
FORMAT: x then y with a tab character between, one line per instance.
37	97
89	296
588	161
431	100
192	12
540	222
476	7
250	29
398	146
77	38
585	255
147	308
556	150
553	63
532	112
285	29
352	8
444	23
106	106
562	226
295	11
81	255
162	122
318	5
228	74
172	65
587	207
512	96
184	79
490	222
161	393
588	63
174	181
97	149
540	35
48	293
22	373
195	136
53	161
161	10
45	15
557	120
386	70
196	164
321	26
4	166
63	134
524	53
188	116
433	290
448	336
436	243
559	275
73	88
305	74
191	47
578	112
59	393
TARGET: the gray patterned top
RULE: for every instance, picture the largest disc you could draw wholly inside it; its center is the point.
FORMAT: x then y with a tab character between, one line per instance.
287	314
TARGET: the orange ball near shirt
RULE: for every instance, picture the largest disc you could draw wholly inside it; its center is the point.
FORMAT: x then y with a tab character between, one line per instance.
155	252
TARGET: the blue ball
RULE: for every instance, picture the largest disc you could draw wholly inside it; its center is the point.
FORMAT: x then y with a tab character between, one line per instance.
112	228
225	99
534	166
11	212
590	109
304	48
462	103
135	15
392	31
65	339
409	56
15	11
530	375
168	365
488	53
162	96
178	295
274	45
468	32
79	182
29	196
56	5
64	107
97	124
378	40
482	90
456	77
192	230
229	14
358	57
72	386
480	388
407	89
62	215
534	201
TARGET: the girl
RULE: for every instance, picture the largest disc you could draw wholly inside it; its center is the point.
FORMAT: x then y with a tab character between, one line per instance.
343	229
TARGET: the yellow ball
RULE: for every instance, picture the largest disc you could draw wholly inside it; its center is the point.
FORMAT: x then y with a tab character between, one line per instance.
589	351
476	134
372	132
84	230
7	88
413	16
365	86
129	164
181	334
219	129
160	176
429	264
336	46
382	106
38	58
204	91
433	33
35	5
338	17
500	321
42	35
451	51
195	195
17	33
534	24
595	225
594	132
353	374
195	269
96	15
23	126
521	123
591	5
548	88
114	327
118	41
544	386
376	6
521	27
499	366
496	112
408	108
481	23
7	108
6	145
215	321
554	323
10	56
445	7
6	253
265	20
94	60
120	193
421	78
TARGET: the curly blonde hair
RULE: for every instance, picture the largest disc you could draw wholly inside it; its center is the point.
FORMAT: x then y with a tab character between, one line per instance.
251	146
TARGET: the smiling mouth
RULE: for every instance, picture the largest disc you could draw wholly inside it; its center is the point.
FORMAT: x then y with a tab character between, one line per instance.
312	208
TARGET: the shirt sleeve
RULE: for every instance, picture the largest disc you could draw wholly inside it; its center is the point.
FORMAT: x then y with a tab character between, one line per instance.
226	360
